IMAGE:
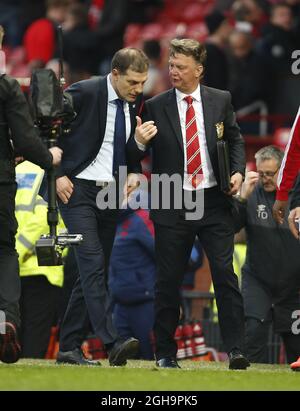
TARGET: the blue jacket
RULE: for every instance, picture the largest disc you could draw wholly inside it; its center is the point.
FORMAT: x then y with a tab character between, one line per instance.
132	263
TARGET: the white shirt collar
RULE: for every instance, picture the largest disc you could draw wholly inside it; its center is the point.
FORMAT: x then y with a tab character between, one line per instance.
112	95
195	94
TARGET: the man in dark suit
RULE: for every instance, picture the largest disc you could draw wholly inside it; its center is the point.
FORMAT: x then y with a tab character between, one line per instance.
95	149
17	138
189	119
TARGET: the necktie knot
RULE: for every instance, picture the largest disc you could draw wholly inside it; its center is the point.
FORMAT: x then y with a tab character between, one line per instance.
189	100
119	103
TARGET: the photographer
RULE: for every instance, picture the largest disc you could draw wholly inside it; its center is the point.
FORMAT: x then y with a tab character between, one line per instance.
17	139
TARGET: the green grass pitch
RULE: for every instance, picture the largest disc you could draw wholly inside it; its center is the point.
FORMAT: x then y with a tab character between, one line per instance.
143	375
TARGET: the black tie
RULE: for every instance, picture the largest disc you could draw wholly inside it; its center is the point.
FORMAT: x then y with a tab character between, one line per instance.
119	158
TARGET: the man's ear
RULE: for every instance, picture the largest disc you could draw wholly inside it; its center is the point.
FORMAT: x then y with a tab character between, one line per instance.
200	71
115	73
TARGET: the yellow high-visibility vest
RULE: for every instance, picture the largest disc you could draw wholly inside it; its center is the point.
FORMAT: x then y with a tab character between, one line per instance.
239	257
31	213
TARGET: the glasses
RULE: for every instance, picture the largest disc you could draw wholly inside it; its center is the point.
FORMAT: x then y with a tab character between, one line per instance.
268	174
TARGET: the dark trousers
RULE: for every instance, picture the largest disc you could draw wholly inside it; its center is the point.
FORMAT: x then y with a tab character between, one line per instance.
9	267
90	299
38	306
136	320
257	334
173	247
267	304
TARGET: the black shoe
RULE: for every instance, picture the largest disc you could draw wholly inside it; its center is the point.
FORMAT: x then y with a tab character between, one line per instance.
75	357
237	361
123	350
167	363
10	349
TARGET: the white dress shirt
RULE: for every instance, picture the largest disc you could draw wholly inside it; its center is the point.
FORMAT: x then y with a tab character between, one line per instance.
100	168
209	179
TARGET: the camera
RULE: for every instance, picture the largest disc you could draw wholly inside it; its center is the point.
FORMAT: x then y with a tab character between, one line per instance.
53	114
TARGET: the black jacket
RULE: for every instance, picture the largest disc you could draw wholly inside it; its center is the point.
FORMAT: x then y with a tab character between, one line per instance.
82	144
272	251
17	133
167	145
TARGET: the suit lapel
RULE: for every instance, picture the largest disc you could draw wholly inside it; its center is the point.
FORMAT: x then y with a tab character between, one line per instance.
133	113
173	115
207	105
102	105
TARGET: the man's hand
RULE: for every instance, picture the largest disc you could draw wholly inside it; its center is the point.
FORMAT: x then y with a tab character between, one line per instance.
56	154
293	223
64	188
279	209
132	182
144	132
235	182
248	185
19	160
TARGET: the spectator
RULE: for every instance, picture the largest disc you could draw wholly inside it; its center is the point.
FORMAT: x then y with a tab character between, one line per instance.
156	82
250	15
111	31
270	276
143	11
132	278
40	37
80	43
216	73
9	19
279	40
248	77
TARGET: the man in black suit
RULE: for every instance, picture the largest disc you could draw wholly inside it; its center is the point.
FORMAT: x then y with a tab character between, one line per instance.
94	150
189	119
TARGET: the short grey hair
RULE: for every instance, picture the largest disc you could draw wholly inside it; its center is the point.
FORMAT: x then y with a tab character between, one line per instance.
189	47
269	153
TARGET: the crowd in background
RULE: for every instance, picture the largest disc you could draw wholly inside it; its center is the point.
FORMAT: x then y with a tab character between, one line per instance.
249	42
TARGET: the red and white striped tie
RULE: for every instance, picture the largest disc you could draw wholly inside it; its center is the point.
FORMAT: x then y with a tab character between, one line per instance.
193	156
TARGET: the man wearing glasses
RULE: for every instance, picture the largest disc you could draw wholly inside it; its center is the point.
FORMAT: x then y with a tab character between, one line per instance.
270	276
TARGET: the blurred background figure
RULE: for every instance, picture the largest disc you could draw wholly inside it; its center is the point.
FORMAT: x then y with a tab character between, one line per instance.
247	74
156	82
40	37
81	48
248	81
10	14
132	278
216	70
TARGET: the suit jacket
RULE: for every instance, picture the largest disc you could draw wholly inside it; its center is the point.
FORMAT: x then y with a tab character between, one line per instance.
83	143
167	145
16	124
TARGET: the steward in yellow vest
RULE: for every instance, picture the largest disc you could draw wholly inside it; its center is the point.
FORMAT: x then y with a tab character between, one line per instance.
40	286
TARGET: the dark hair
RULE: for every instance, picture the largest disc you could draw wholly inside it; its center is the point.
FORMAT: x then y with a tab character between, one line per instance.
277	6
130	58
57	3
214	20
152	49
189	47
